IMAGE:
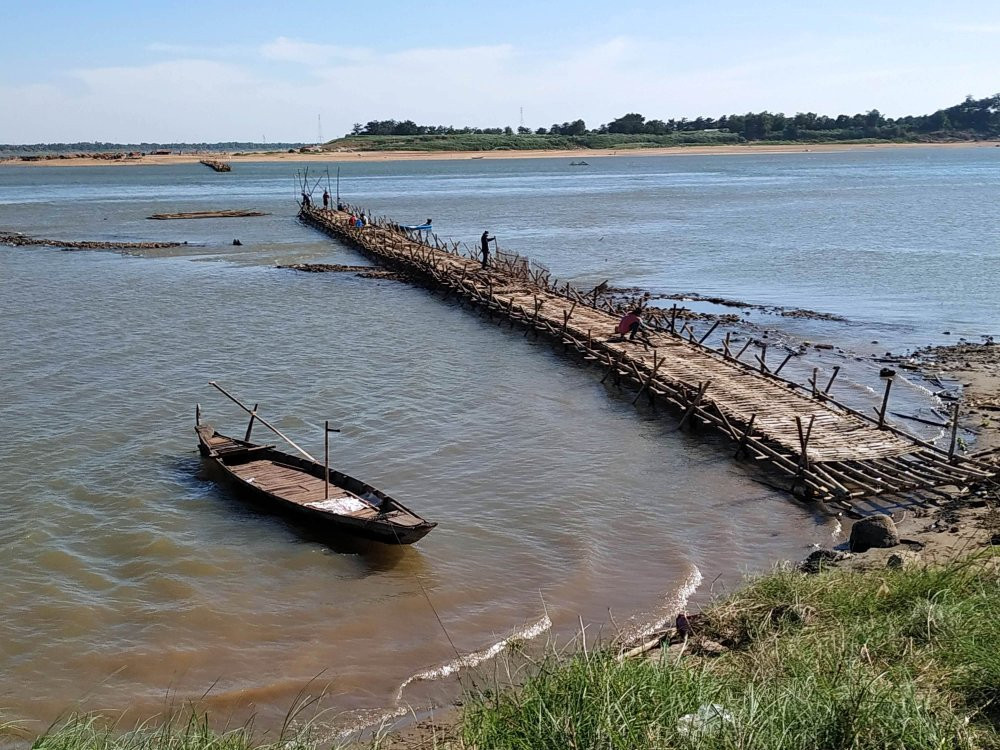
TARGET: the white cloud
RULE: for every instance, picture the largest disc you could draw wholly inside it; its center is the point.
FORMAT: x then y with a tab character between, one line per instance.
242	97
972	28
284	49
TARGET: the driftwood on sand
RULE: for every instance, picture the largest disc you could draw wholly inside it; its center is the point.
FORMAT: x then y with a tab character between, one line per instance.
234	213
20	240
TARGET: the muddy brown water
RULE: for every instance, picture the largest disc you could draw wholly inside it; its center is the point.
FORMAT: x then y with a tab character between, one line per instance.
131	580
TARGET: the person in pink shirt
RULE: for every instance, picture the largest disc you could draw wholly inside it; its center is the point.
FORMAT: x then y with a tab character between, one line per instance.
630	324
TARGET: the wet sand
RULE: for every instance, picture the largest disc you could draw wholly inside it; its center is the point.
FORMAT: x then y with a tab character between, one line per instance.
378	156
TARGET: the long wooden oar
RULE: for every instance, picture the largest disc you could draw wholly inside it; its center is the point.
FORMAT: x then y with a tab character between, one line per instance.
260	419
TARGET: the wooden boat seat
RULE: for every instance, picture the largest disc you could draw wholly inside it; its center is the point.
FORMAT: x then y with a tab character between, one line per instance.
241	449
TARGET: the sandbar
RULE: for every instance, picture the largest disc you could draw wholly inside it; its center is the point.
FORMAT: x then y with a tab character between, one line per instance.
347	156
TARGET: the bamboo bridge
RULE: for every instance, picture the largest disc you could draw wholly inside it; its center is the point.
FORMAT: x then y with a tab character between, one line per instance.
825	449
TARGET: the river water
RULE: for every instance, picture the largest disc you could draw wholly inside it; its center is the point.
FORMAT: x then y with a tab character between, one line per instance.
130	581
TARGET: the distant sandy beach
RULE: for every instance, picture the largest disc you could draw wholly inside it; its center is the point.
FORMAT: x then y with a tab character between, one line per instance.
370	156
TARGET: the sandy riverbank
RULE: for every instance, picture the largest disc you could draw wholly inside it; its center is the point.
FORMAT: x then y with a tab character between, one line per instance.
379	156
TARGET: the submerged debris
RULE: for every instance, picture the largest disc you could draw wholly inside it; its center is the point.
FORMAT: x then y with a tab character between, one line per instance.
20	240
223	214
364	272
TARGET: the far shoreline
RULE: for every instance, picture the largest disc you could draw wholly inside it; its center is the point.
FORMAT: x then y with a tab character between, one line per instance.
386	156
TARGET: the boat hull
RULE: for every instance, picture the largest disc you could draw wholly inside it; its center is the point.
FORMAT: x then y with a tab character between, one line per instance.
316	521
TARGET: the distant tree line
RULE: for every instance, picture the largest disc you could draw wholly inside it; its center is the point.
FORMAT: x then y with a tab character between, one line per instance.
974	117
97	146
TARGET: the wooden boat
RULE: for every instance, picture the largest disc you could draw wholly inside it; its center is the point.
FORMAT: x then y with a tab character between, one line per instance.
417	227
293	485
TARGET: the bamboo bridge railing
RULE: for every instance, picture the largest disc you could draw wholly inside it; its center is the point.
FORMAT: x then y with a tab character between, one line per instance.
825	449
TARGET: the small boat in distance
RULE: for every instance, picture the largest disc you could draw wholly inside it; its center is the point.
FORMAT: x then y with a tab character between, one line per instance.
301	487
579	164
426	226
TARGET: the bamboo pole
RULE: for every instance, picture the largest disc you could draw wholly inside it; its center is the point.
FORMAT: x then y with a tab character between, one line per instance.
746	434
652	375
695	403
954	431
885	403
253	416
326	460
710	330
833	377
260	419
784	362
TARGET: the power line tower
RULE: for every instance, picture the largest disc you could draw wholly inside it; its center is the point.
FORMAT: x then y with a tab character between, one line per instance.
522	117
319	128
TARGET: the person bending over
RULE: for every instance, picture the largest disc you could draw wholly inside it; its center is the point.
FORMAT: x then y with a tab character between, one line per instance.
631	324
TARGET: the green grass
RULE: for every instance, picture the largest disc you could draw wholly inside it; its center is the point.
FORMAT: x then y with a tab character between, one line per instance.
92	732
886	659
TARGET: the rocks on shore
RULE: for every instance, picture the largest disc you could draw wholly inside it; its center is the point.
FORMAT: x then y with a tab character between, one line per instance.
822	558
873	531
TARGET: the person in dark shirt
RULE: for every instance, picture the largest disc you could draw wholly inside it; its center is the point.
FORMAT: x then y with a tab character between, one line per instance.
484	243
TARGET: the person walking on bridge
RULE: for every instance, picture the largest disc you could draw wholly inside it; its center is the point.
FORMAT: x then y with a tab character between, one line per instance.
484	243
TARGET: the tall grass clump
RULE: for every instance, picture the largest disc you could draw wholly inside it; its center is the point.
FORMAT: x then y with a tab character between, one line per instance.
193	732
894	658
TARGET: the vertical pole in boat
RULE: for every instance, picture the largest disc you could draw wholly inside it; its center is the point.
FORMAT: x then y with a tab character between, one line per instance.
253	416
338	185
326	459
197	415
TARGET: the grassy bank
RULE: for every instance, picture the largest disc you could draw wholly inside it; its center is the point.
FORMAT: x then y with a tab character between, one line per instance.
905	658
889	658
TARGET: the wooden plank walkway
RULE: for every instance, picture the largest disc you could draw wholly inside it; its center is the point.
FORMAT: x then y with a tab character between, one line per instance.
825	449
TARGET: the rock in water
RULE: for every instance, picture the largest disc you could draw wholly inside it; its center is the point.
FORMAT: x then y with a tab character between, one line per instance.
873	531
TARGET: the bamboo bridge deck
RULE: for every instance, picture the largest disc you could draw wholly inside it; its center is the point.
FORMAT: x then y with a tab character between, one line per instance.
826	449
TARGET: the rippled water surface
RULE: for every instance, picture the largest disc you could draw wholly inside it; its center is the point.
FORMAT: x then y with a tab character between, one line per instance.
130	579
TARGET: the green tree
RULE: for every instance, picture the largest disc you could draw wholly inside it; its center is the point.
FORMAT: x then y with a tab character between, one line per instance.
630	123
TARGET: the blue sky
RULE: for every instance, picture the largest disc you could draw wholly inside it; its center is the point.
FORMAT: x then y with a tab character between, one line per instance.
219	71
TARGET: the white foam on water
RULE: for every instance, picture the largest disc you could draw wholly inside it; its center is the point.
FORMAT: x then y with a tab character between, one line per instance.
674	602
477	657
380	717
